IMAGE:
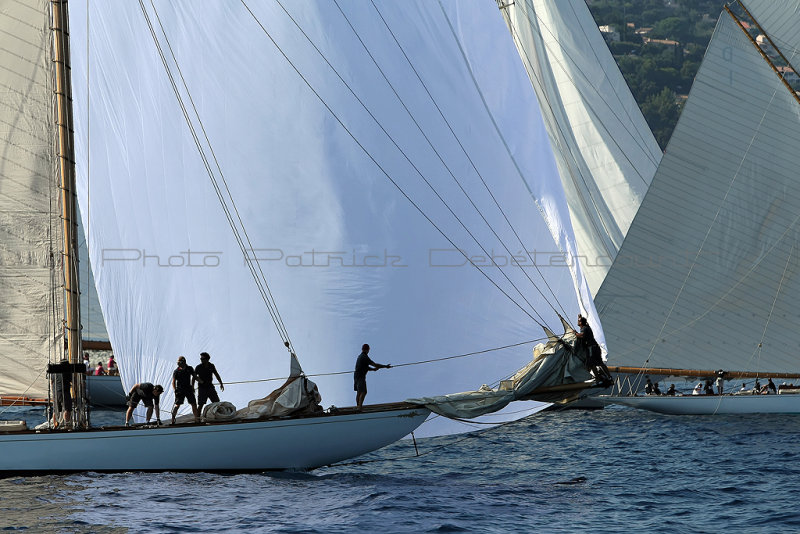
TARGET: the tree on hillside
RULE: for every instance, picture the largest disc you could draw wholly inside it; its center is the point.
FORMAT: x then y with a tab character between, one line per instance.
662	111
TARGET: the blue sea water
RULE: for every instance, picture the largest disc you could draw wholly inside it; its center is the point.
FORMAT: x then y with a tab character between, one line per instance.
613	470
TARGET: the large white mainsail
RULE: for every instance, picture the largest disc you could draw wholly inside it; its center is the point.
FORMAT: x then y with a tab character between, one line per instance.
606	153
349	259
782	20
708	275
31	300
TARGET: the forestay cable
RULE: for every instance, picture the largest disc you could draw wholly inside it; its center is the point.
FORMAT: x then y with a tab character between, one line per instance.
238	229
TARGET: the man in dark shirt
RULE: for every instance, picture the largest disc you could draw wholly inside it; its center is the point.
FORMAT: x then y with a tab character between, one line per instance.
205	373
363	365
595	361
183	383
147	393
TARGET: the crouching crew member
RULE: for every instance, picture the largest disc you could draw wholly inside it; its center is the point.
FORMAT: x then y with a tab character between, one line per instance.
147	393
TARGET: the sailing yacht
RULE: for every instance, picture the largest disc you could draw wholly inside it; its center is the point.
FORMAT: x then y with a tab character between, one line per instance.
359	165
707	278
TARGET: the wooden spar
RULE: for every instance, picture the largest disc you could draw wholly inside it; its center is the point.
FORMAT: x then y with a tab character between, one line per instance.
66	158
21	400
89	344
698	373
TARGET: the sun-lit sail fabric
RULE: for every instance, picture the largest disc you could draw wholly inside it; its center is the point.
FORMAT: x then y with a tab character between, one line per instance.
558	361
606	153
781	20
93	326
708	275
31	309
349	259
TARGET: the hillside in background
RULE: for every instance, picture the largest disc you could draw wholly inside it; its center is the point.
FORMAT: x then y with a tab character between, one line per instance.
658	45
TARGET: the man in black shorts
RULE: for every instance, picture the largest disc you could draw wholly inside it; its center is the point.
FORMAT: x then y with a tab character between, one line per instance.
183	383
363	365
205	373
595	362
147	393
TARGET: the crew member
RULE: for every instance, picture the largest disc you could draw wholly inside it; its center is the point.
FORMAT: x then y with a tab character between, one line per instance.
205	373
182	382
363	365
595	361
147	393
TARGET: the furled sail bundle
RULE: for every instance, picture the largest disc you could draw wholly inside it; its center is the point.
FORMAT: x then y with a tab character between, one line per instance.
386	168
32	310
562	360
708	275
605	152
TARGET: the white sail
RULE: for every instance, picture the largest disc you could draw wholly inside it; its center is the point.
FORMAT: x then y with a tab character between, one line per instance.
93	325
349	259
708	275
31	309
781	20
606	153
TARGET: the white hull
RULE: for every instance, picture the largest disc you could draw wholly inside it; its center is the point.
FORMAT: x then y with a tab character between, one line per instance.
105	391
711	404
301	443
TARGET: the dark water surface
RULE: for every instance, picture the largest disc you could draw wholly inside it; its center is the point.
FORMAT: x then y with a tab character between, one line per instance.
615	470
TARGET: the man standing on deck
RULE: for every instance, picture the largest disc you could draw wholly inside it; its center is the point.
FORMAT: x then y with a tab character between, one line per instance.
205	373
182	379
147	393
363	365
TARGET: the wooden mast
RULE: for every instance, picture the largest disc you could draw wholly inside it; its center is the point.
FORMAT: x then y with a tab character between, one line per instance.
69	213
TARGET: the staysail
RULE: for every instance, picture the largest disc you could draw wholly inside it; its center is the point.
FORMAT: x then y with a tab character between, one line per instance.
340	131
31	291
605	152
709	274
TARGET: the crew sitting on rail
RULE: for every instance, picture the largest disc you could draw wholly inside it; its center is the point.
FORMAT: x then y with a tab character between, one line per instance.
656	390
671	391
698	389
648	386
112	366
99	371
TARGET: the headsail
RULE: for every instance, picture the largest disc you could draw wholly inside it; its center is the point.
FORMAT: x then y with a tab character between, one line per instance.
781	19
322	149
708	275
31	313
606	153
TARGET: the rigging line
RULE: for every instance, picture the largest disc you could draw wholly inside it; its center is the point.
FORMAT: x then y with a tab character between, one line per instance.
408	159
207	165
384	171
266	293
222	175
88	174
774	300
577	267
432	360
601	231
472	163
713	221
470	435
628	119
439	156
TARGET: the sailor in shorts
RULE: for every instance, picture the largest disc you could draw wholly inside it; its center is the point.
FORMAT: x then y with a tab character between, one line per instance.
183	383
147	393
